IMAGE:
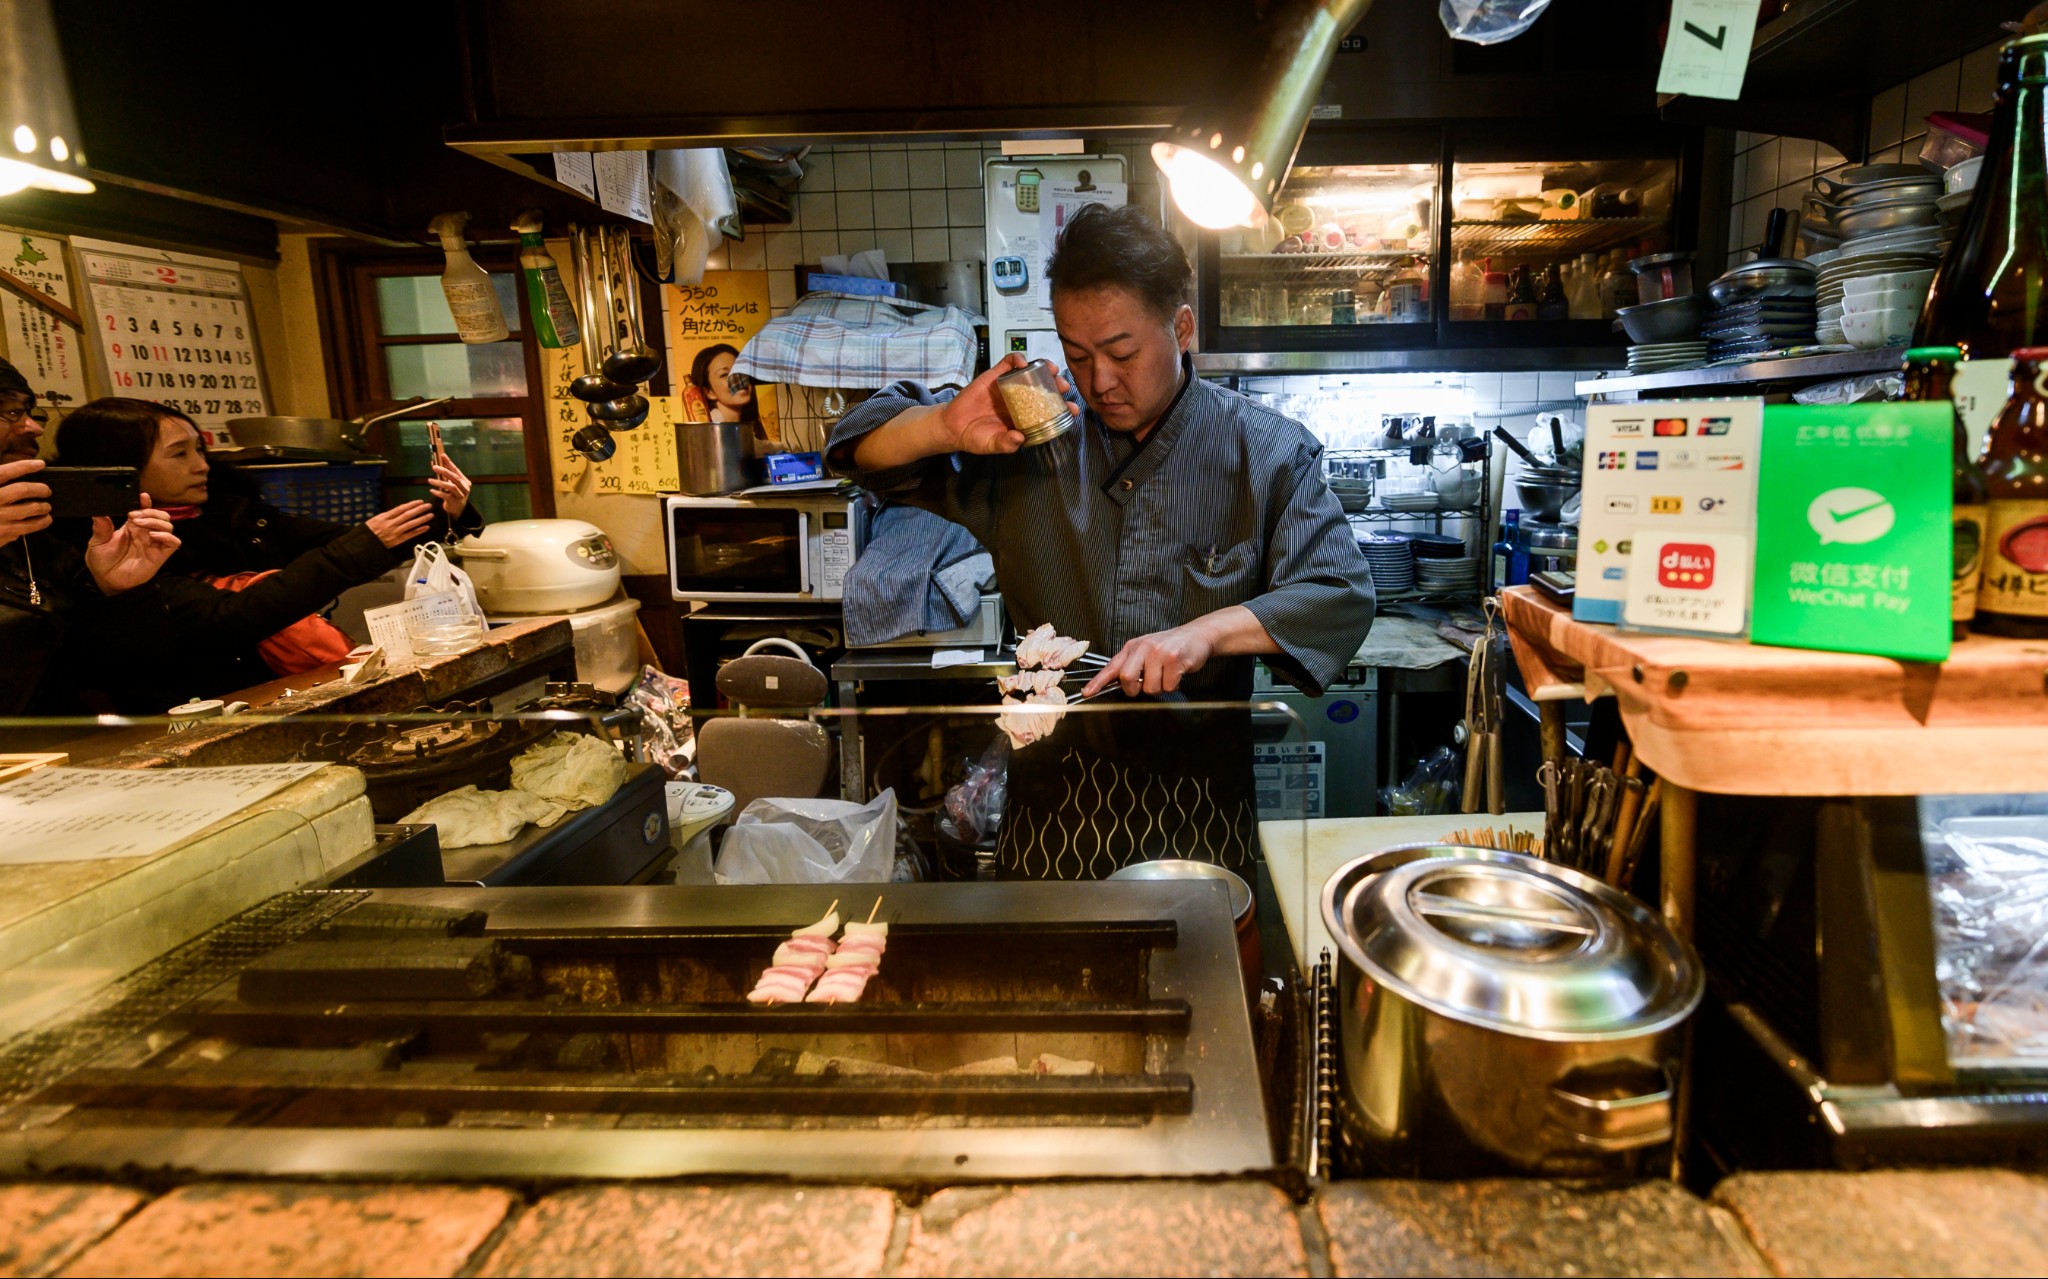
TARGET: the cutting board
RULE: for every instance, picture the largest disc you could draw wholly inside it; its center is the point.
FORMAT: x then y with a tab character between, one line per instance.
67	929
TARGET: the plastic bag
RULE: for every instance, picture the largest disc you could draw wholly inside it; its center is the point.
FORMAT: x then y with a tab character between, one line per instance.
1867	388
811	841
666	736
976	804
433	572
1489	21
1432	787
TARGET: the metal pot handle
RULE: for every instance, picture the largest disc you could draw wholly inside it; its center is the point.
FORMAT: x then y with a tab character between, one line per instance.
458	551
1613	1123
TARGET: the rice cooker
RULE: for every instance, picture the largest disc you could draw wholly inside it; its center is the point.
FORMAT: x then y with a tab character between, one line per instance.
540	566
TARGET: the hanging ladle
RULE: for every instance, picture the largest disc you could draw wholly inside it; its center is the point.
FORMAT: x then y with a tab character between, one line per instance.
634	361
595	443
622	414
591	387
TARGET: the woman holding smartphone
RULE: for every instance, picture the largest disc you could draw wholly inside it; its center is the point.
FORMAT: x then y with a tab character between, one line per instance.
246	584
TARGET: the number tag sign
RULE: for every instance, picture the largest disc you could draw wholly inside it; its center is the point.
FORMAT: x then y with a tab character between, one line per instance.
1706	52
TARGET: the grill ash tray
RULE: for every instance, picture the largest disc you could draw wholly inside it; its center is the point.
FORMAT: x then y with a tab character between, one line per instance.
1015	1030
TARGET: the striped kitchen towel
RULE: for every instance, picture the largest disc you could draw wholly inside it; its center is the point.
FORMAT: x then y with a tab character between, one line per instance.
861	343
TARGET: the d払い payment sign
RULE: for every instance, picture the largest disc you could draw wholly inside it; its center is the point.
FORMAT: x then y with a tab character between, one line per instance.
1854	540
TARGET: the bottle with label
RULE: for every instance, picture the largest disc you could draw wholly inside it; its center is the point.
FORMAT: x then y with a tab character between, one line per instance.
1504	551
554	319
1494	293
1521	295
471	299
1550	301
1929	371
2013	598
1986	293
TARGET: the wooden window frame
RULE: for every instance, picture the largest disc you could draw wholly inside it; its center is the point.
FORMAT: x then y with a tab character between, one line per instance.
345	279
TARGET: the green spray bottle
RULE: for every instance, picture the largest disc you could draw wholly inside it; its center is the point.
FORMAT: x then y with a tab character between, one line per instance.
554	319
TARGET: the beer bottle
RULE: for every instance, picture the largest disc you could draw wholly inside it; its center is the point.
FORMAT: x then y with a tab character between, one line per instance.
1929	370
2013	599
1987	294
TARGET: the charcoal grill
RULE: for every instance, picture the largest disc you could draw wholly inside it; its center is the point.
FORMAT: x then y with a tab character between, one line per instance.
615	1042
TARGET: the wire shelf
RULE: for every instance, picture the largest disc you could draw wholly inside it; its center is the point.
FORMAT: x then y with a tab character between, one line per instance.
1334	269
1586	236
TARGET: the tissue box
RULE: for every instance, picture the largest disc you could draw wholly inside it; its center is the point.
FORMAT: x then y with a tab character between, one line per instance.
819	282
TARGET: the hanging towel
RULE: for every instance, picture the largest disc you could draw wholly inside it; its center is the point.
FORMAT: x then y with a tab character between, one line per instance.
917	574
861	343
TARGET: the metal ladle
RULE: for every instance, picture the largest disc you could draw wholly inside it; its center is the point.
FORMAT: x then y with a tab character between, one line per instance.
634	361
595	443
592	387
622	414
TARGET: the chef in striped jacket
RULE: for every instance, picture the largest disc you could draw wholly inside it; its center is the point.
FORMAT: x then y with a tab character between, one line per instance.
1181	527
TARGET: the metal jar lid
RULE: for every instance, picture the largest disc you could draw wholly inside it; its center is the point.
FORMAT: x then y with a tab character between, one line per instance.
1513	943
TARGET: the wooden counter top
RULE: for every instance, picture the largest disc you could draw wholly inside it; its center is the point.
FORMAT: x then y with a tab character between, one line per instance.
1728	717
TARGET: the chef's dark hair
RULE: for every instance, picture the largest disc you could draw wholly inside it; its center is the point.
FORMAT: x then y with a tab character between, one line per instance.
113	431
1124	246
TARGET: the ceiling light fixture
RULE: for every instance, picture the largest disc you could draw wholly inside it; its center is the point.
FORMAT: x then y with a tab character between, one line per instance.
1225	163
38	131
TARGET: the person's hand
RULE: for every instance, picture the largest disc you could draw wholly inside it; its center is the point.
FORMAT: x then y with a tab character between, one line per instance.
121	559
450	485
1155	663
402	523
974	421
24	504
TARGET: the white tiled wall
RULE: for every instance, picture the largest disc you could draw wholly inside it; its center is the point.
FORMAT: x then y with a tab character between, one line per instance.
1776	172
917	202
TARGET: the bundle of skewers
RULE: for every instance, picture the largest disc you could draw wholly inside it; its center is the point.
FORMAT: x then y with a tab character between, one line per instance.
1597	819
814	968
1508	840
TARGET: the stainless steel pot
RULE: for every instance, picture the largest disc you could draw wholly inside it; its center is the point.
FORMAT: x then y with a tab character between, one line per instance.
716	457
1497	1012
325	433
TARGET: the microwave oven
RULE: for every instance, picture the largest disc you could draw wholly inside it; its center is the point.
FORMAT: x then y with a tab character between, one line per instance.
776	547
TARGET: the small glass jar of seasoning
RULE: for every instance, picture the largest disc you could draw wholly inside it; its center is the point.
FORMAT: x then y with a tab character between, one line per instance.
1032	400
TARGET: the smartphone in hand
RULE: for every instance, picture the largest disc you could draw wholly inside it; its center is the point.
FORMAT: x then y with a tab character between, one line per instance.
80	492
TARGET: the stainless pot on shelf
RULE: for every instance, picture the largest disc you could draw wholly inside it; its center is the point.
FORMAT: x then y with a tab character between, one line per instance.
324	433
1499	1013
714	458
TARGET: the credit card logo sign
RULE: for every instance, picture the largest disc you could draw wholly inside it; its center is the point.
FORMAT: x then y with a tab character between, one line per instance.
1634	428
1616	461
1622	505
1686	566
1646	460
1725	461
1666	505
1714	425
1670	426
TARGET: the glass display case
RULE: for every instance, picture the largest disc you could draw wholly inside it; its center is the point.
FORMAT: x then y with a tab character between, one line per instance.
1347	244
1551	241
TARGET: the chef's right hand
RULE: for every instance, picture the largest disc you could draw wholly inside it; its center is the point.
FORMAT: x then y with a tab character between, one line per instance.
403	523
24	504
974	422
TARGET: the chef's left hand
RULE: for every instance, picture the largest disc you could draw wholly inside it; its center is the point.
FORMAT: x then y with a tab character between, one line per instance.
121	559
1155	663
450	485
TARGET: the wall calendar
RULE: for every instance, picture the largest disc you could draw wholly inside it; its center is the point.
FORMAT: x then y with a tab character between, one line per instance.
177	328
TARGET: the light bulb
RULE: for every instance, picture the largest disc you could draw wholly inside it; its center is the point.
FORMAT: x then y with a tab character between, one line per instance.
1207	193
16	175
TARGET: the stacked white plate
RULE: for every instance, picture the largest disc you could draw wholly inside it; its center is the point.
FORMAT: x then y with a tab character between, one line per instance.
1446	577
1392	558
1836	274
1410	501
1655	356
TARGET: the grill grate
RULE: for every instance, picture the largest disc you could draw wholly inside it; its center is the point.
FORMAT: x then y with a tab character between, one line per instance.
37	1058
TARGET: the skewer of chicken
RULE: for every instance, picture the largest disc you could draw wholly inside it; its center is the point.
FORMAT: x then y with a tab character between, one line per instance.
858	959
798	962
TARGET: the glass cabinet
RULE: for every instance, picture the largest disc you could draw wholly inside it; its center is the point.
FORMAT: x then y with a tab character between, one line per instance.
1346	245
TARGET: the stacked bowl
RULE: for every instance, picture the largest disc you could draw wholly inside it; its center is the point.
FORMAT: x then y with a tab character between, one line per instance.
1391	557
1443	566
1666	333
1890	229
1760	308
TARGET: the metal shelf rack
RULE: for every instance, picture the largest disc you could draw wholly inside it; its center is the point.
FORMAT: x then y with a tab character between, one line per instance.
1481	512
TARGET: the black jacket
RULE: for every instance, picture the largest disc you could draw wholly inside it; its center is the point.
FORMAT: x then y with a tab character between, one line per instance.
55	653
215	632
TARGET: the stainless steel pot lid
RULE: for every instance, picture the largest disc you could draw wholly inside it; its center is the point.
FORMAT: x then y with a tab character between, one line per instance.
1182	868
1515	944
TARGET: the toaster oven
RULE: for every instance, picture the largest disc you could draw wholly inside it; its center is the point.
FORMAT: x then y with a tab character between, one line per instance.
775	547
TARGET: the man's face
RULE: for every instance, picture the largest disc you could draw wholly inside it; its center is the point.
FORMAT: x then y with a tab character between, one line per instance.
1122	356
20	434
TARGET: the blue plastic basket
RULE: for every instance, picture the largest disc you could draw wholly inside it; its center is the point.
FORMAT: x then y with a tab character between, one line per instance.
346	494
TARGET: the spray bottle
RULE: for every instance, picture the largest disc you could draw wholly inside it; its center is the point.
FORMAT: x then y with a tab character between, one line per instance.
471	299
554	319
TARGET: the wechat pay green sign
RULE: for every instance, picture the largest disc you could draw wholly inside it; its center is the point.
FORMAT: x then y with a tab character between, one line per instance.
1853	533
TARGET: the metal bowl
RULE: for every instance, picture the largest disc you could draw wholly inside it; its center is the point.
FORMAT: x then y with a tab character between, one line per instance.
1545	499
1672	320
1764	278
1888	215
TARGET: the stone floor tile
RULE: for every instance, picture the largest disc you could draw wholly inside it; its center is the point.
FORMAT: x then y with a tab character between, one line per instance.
291	1228
700	1230
1952	1222
1108	1228
43	1226
1515	1227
